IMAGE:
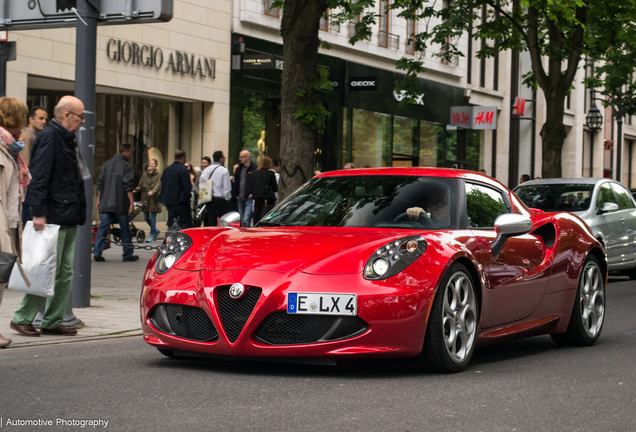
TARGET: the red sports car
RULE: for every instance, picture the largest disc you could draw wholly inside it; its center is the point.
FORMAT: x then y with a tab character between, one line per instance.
383	262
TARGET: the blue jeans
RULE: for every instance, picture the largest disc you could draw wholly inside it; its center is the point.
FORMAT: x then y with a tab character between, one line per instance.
245	210
151	220
106	219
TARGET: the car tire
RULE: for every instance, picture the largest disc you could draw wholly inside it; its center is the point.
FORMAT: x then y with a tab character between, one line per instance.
588	311
452	325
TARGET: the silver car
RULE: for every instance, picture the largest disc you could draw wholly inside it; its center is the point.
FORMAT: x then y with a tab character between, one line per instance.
605	205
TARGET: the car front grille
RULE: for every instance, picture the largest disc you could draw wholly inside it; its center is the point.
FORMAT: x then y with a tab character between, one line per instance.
281	328
235	312
187	322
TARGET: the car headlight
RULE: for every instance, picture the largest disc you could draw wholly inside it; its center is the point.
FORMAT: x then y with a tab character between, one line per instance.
394	257
171	250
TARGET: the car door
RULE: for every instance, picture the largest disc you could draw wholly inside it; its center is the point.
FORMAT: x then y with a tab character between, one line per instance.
608	225
514	283
627	214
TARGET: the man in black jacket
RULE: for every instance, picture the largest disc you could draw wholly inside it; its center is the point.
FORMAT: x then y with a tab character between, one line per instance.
241	190
56	194
176	188
115	201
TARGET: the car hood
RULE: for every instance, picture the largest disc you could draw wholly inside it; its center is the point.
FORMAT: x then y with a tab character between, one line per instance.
316	250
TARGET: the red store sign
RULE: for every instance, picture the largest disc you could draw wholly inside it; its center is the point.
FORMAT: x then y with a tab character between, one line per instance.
474	117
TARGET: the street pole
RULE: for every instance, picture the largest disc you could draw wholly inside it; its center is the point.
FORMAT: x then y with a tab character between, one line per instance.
85	63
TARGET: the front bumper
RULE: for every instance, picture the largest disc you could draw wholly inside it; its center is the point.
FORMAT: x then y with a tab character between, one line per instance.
391	319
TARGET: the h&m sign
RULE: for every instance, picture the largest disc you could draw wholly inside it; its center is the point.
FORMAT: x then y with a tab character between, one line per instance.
153	57
474	117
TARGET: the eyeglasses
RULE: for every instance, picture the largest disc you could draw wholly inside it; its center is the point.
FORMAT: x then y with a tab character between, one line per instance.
438	204
81	116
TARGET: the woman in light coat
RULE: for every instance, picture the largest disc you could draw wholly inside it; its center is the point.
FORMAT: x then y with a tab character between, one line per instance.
150	186
14	177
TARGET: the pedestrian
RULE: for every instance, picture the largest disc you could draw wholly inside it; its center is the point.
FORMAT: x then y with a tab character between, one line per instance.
176	188
56	194
524	178
221	189
12	119
150	186
205	162
263	187
36	122
276	170
241	182
348	165
115	201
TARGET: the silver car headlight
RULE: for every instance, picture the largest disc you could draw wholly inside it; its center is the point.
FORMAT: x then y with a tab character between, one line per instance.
171	250
394	257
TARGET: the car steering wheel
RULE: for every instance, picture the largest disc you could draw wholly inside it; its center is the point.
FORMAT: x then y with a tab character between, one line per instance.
423	219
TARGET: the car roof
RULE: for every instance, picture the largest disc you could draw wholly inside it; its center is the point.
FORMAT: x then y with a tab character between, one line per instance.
416	171
575	180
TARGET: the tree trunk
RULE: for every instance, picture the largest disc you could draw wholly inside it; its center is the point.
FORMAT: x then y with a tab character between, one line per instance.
299	29
553	134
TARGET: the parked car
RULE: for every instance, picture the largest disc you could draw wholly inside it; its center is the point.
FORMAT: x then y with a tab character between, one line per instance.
605	205
382	262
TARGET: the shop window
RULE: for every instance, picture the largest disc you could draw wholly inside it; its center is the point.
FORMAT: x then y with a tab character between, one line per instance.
431	139
474	150
403	143
371	139
254	138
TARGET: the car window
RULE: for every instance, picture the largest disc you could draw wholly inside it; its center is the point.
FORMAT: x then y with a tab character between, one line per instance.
605	195
557	196
370	201
624	199
483	205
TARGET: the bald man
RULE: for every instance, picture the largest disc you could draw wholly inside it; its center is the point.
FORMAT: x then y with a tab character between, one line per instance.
56	195
242	178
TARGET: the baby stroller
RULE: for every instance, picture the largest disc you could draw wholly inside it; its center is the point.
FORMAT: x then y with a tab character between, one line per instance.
140	235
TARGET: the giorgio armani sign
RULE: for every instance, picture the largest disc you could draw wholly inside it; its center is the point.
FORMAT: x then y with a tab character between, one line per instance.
154	57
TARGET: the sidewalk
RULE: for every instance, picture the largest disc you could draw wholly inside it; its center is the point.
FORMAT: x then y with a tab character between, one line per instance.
114	306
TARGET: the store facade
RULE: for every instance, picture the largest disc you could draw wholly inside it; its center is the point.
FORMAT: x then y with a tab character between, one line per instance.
368	124
160	87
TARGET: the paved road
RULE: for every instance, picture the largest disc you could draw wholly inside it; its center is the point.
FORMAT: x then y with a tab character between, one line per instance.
526	385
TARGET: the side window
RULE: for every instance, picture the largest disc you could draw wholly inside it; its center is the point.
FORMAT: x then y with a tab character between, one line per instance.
483	205
624	198
605	195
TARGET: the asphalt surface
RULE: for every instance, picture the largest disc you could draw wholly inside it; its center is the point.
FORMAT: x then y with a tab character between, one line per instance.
525	385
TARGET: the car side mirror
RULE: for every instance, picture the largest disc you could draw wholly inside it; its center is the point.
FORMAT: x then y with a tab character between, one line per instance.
607	207
506	226
229	218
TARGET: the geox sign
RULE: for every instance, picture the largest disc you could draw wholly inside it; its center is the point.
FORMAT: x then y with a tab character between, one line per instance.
363	84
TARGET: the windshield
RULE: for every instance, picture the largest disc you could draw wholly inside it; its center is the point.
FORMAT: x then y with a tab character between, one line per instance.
370	201
556	197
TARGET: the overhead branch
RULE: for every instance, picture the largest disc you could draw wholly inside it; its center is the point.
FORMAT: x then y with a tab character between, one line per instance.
535	49
497	7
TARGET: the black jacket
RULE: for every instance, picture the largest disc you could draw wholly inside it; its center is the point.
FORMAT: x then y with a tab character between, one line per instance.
176	186
237	179
263	184
116	177
56	190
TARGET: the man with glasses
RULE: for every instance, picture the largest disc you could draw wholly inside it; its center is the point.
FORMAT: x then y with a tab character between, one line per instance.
437	209
241	180
56	195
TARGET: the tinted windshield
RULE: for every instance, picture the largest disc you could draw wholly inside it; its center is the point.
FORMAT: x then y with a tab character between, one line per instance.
553	197
369	201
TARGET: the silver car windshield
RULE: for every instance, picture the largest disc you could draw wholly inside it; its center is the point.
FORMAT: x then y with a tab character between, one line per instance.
556	197
369	201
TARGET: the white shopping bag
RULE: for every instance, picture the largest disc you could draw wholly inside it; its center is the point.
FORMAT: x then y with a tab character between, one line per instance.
39	261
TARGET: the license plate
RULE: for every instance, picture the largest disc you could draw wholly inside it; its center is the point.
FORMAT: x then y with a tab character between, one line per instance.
322	304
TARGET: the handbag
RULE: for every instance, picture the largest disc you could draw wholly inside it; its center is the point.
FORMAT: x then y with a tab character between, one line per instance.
7	261
39	251
205	189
